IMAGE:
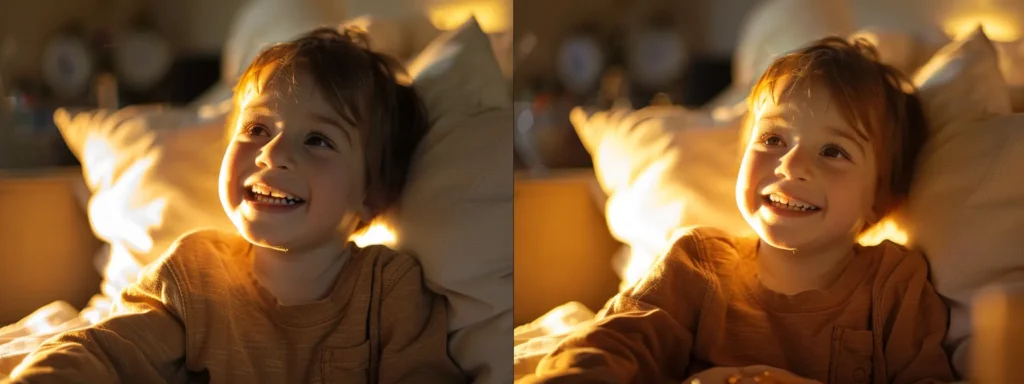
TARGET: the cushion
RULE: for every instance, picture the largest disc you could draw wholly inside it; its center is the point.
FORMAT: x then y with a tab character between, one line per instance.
1011	60
152	172
456	214
400	37
665	168
775	27
962	81
966	170
896	48
261	23
662	168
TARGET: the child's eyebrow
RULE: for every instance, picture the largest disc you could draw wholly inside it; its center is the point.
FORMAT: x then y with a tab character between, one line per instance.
257	109
774	119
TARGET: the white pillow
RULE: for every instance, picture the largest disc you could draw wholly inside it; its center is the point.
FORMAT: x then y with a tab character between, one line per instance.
775	27
261	23
456	213
152	172
1011	64
965	210
896	48
962	81
399	37
662	168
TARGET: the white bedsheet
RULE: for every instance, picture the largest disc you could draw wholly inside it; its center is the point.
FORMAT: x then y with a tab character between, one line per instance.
534	340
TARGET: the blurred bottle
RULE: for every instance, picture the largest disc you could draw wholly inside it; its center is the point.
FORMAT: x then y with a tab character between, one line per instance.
661	99
106	91
615	90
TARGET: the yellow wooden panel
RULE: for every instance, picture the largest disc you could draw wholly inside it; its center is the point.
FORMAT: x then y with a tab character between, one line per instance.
563	248
46	245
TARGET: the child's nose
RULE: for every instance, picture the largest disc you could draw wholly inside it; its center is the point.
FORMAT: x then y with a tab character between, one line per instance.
794	165
276	154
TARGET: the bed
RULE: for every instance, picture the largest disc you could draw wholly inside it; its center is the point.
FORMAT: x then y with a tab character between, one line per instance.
664	168
149	176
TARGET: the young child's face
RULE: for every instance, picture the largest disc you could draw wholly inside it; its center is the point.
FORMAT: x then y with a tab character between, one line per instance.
807	179
290	143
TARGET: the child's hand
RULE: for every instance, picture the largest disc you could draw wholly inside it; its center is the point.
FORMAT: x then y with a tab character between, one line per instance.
760	374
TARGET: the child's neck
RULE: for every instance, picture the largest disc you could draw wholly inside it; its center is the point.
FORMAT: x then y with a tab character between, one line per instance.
300	276
788	272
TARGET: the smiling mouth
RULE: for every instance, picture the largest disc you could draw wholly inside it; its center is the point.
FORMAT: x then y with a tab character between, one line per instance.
265	195
787	203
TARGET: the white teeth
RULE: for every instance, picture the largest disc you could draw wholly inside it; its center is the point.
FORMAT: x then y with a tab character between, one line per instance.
273	200
266	195
786	203
261	195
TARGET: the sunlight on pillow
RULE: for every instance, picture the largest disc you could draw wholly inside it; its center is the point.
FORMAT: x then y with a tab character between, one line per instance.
99	155
379	232
887	229
113	216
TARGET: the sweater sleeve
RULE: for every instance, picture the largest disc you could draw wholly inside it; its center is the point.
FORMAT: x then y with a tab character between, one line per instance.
143	341
647	333
915	326
414	330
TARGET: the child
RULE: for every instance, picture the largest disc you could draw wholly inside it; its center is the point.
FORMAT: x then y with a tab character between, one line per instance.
830	147
320	142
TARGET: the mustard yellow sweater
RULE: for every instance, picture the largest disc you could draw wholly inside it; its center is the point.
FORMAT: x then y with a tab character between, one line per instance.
199	315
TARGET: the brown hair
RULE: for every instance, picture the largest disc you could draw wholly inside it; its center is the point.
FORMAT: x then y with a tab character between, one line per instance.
366	89
874	98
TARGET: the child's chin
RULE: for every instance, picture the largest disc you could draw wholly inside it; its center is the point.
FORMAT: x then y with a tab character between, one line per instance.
782	238
268	237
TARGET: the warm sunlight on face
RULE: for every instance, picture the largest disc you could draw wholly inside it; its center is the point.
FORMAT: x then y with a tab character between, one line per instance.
293	171
807	177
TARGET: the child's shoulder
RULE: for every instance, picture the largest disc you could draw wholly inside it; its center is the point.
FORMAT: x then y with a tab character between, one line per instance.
707	249
897	264
203	246
206	241
211	238
396	267
710	243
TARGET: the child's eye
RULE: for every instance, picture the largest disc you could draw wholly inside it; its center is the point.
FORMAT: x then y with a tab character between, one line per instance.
770	140
319	141
834	151
255	130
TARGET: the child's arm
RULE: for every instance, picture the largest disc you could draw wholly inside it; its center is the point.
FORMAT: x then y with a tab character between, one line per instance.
414	331
915	327
142	342
648	332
